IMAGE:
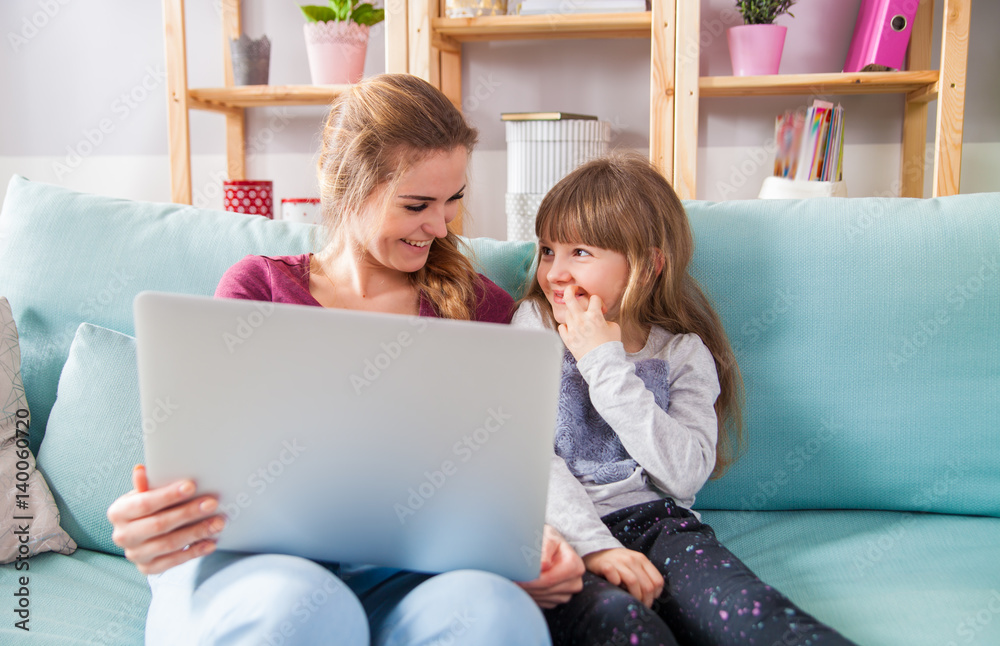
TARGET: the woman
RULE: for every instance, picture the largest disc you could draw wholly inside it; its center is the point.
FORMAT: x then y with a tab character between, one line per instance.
392	173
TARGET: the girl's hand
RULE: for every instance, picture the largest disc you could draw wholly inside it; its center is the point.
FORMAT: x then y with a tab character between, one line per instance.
585	329
164	527
627	569
562	572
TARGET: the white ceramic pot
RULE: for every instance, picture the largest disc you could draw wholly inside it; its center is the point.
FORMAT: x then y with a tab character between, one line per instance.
336	51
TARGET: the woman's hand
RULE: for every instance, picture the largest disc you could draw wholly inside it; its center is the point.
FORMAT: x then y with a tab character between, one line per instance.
585	329
562	572
164	527
627	569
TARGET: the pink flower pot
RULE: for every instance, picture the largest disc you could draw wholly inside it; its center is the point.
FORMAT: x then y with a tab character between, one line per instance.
336	51
756	49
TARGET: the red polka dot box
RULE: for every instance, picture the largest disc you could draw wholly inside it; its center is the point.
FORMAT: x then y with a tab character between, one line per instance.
249	196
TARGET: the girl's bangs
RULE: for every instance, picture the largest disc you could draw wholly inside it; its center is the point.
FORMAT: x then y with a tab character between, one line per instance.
566	218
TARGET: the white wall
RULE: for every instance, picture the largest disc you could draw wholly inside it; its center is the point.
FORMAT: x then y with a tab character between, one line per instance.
85	101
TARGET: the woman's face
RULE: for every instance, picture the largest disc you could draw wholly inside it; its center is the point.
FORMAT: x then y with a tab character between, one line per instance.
426	199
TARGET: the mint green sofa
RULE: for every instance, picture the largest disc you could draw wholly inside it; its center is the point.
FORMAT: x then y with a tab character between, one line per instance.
868	332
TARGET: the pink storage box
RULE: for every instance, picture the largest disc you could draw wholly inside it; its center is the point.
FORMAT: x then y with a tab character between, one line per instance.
881	34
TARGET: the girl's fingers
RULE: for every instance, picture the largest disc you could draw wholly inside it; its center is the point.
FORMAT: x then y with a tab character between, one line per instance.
596	306
613	576
631	583
656	577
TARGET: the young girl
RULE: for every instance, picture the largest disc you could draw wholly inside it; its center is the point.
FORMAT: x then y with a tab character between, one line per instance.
649	410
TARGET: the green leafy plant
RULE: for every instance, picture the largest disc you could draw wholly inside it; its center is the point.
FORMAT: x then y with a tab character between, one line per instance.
363	13
763	12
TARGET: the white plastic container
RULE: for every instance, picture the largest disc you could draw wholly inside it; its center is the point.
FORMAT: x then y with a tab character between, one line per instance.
782	188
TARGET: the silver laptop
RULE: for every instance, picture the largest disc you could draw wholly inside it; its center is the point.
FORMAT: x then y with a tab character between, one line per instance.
353	437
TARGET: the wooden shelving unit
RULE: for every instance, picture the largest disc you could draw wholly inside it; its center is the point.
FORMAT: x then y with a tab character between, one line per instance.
920	85
421	42
230	100
431	48
427	45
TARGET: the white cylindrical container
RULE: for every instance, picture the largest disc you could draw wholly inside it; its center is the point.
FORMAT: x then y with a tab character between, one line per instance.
539	154
301	209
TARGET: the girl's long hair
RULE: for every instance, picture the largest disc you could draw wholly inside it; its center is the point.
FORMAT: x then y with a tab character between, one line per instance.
622	203
373	134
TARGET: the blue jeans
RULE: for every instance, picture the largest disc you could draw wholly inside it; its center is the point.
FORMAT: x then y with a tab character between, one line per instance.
277	600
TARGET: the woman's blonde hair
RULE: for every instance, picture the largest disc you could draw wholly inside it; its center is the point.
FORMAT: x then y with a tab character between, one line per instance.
373	133
622	203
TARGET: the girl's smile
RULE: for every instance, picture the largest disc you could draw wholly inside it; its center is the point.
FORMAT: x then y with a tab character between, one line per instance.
592	271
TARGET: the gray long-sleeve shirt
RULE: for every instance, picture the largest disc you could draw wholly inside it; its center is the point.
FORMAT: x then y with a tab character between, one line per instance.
674	447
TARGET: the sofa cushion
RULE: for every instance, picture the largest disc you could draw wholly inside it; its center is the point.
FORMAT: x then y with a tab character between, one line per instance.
87	598
881	578
68	258
32	518
869	340
94	436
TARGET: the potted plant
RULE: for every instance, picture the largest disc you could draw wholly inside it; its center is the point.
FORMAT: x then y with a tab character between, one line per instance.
337	39
755	46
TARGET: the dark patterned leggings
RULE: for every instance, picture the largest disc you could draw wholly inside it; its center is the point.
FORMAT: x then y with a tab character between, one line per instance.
709	597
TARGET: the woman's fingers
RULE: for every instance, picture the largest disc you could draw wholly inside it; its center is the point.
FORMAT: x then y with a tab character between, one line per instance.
139	481
167	521
150	552
165	562
139	504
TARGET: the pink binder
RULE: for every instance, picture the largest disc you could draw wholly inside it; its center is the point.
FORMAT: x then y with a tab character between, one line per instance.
881	35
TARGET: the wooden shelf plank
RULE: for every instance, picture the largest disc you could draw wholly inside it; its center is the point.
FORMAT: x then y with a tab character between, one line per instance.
251	96
551	26
818	84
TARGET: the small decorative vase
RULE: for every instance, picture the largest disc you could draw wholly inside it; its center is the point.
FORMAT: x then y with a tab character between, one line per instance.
756	49
474	8
251	60
336	51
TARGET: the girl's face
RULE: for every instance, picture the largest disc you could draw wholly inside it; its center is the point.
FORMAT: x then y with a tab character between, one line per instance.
592	270
426	200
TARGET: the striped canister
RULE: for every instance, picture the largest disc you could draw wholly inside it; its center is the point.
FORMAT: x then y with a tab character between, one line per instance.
539	154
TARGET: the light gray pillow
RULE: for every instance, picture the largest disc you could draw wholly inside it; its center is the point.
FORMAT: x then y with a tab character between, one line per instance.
30	515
